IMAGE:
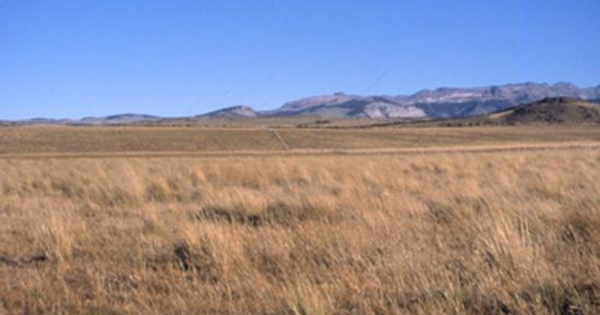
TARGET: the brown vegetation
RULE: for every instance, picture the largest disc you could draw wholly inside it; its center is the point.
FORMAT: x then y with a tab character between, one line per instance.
486	233
95	141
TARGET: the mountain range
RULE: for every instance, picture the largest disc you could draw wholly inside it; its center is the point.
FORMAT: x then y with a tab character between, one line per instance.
435	104
440	103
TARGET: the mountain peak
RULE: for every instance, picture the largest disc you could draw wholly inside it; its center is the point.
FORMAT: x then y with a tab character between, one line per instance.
238	111
320	100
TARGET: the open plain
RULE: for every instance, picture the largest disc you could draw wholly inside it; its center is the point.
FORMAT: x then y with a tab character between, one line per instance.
256	220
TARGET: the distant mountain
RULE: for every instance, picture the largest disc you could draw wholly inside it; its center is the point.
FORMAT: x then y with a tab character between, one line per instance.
558	110
346	106
361	107
316	101
44	121
121	119
240	111
440	103
435	104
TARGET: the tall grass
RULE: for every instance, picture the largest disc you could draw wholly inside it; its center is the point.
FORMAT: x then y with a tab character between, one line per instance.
487	233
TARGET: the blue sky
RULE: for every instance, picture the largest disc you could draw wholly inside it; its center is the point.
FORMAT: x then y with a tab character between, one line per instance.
75	58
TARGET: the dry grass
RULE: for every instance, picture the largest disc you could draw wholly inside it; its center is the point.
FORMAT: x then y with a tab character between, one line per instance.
432	137
501	233
62	139
148	140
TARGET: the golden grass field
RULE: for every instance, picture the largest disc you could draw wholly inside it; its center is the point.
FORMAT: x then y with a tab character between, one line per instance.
390	231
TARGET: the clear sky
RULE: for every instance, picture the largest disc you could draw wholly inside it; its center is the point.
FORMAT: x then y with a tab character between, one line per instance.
75	58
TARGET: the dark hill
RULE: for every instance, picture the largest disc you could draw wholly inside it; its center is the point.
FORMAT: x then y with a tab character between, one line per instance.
552	110
559	110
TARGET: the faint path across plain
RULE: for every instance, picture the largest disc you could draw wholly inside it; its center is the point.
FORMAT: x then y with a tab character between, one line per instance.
278	136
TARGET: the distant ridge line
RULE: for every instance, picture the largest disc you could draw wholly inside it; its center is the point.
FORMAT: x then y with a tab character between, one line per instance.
441	103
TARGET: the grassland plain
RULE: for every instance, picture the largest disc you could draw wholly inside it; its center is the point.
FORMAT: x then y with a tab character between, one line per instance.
32	140
486	233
